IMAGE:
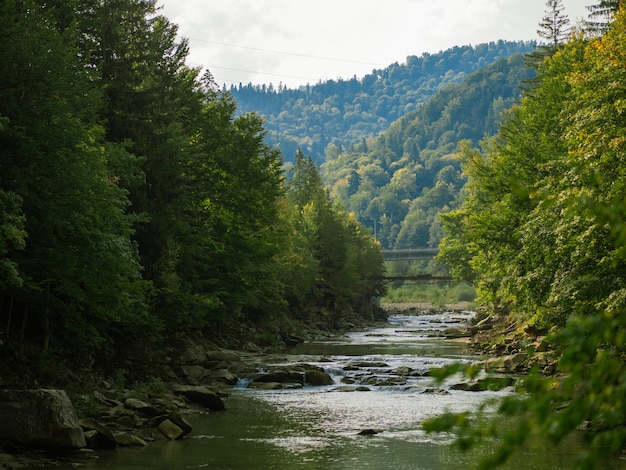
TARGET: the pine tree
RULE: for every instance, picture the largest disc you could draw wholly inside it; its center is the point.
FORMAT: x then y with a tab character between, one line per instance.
601	15
554	27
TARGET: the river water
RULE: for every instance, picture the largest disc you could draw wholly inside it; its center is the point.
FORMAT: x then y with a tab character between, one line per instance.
318	427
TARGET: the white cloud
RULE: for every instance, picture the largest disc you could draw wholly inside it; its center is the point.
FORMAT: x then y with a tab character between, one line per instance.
327	39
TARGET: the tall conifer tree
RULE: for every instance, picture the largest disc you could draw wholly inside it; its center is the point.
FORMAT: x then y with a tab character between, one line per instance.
601	15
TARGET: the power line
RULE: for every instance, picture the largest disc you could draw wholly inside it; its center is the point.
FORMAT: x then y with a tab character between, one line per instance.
210	67
287	52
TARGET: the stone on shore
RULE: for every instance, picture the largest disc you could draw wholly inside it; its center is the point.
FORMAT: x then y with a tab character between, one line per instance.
200	395
97	435
144	408
507	364
42	417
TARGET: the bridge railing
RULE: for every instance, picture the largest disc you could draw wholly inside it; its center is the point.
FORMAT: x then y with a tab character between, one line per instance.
418	253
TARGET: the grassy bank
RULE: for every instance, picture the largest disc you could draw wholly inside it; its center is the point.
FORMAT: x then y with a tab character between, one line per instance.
437	294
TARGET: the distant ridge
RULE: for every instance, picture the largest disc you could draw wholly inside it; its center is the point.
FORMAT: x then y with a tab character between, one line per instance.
345	112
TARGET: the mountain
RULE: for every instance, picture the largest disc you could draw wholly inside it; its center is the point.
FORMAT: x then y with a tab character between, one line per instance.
398	183
341	113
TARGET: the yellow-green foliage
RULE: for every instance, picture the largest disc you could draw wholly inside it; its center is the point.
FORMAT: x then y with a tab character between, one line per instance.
542	232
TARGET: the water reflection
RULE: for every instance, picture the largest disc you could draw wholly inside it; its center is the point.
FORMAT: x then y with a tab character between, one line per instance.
317	427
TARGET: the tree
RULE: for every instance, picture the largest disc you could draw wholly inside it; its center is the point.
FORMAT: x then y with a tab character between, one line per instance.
79	275
554	27
564	268
601	14
348	264
151	102
227	208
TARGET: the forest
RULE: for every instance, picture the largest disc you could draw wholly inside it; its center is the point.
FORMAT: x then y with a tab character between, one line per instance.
399	173
141	203
398	182
341	113
541	234
138	205
516	172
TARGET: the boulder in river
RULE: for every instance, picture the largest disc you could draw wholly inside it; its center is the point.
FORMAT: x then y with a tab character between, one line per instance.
224	375
317	377
282	376
175	417
170	430
455	333
266	385
352	388
303	374
130	440
42	417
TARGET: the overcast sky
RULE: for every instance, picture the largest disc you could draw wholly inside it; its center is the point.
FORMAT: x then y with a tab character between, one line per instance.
302	41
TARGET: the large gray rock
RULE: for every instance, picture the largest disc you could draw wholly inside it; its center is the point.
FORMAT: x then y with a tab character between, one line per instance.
507	364
97	435
224	375
282	376
318	377
195	374
43	418
193	354
170	430
201	395
223	356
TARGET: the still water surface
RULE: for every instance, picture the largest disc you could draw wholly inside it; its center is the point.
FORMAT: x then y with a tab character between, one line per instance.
317	427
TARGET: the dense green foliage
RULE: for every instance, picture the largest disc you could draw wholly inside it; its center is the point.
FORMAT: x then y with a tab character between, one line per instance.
541	231
341	113
137	202
399	182
347	262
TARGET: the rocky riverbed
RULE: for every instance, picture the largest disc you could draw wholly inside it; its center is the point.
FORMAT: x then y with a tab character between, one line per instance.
201	378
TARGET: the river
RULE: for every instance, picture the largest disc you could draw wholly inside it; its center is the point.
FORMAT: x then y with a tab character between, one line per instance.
318	427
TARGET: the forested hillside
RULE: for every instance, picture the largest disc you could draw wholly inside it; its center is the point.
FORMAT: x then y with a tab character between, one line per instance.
344	112
399	182
541	233
137	203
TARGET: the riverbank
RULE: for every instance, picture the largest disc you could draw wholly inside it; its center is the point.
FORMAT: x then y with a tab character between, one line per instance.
194	382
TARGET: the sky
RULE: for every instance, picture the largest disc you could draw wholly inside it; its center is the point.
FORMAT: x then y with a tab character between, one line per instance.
295	42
